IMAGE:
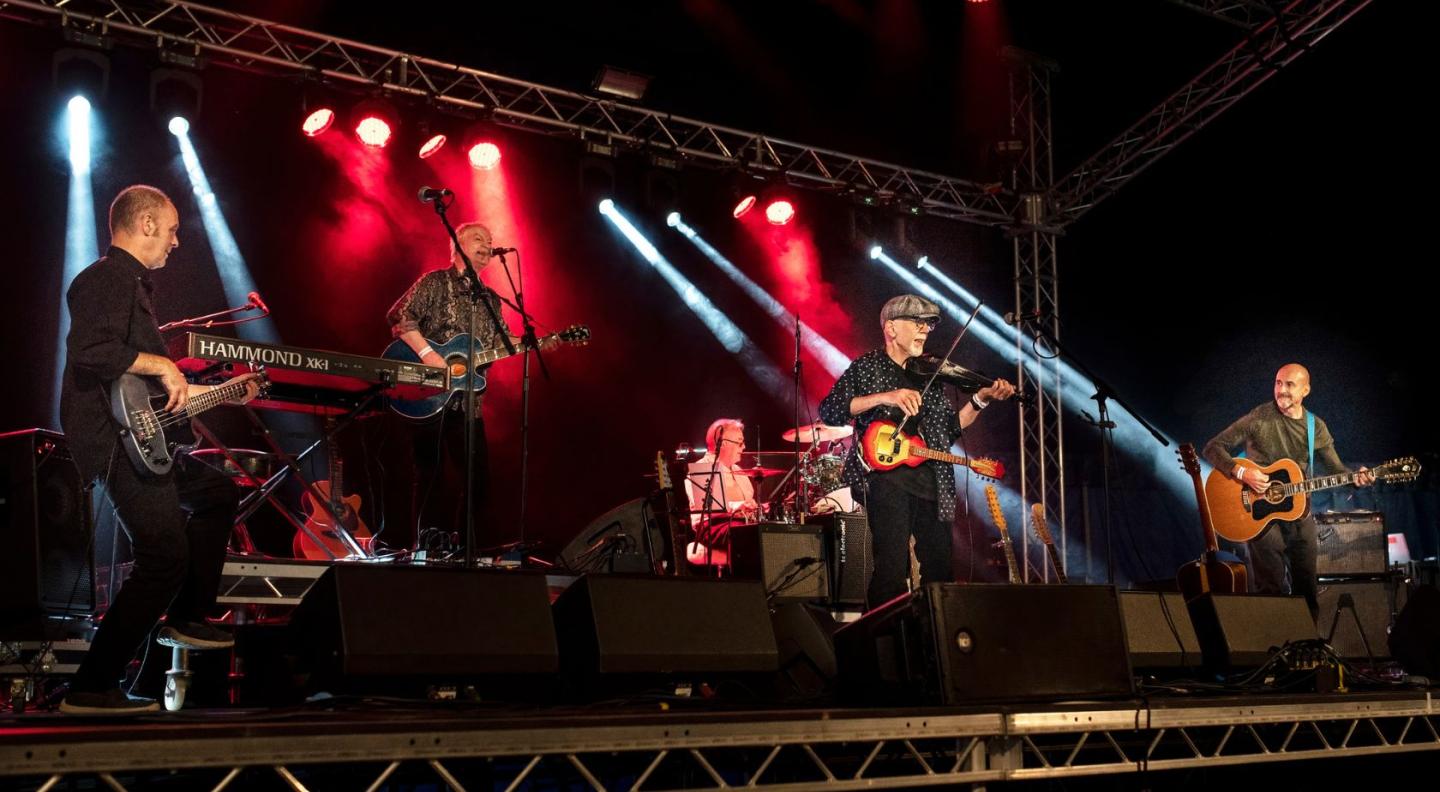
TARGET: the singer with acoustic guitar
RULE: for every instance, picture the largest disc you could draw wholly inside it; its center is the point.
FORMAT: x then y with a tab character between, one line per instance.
904	500
1280	429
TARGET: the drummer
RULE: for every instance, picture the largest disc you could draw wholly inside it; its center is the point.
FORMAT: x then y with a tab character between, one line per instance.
720	493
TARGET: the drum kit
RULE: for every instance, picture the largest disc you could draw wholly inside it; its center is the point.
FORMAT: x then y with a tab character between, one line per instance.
817	466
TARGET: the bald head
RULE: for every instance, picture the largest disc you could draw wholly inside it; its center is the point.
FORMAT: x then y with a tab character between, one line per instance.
1292	385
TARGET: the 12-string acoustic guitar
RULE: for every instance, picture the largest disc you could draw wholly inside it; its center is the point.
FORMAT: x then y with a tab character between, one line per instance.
1241	514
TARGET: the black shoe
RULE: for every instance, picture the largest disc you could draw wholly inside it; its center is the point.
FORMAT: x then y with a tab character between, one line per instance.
194	635
111	702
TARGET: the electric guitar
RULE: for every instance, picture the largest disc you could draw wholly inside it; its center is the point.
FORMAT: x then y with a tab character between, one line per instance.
1210	572
1241	514
136	401
321	520
1042	530
993	499
885	447
465	375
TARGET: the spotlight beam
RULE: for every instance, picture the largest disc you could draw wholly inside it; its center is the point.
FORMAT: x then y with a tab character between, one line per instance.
764	373
833	360
81	243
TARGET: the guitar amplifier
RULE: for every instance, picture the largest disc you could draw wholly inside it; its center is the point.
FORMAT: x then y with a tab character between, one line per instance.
1351	543
789	559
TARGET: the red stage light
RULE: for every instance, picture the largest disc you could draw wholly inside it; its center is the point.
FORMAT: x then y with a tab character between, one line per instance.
373	131
484	156
743	208
780	212
432	146
317	122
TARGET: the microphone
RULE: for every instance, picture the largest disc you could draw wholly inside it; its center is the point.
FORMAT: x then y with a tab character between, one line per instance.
428	194
1016	319
499	251
256	302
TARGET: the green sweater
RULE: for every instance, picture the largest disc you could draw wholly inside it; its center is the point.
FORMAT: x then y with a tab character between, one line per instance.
1268	435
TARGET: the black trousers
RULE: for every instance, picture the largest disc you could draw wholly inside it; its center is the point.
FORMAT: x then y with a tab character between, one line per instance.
895	515
1286	549
179	526
439	483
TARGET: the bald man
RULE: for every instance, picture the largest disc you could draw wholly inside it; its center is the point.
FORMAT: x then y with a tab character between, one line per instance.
1280	429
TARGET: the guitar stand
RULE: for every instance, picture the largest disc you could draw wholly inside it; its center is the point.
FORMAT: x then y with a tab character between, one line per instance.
291	466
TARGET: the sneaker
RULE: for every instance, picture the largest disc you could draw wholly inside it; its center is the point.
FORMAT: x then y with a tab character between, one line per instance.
111	702
194	635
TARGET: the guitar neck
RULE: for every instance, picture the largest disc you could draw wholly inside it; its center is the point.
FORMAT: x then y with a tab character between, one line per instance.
939	456
1322	483
214	398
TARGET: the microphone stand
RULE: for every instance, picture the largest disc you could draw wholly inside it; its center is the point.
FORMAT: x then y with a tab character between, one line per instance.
209	320
477	294
801	504
1103	394
530	343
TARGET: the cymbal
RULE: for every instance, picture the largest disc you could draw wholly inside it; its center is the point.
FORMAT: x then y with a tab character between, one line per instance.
817	431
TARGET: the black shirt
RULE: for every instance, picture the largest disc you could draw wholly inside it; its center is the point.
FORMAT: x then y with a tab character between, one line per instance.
939	425
112	321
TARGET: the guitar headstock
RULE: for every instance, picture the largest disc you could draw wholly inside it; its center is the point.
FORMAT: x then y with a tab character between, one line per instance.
574	334
1037	519
1189	459
1397	470
662	471
989	468
992	499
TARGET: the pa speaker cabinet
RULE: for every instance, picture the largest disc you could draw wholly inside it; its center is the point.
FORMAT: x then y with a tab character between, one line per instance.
789	559
1351	543
624	628
1239	630
951	644
1158	631
46	566
1360	612
361	622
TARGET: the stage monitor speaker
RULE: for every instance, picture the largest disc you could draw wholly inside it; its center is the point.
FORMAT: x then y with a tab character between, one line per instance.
628	538
434	624
1415	641
789	559
1158	631
951	644
625	628
804	635
1361	614
46	567
1351	543
847	540
1238	631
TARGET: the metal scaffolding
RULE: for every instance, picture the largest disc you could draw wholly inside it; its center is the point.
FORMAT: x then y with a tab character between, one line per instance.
832	749
238	41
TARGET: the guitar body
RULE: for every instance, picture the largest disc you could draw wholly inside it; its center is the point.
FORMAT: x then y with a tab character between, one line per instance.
1240	514
133	402
463	375
455	352
1212	574
885	447
321	523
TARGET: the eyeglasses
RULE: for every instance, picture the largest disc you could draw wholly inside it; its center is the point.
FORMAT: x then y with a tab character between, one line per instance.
929	321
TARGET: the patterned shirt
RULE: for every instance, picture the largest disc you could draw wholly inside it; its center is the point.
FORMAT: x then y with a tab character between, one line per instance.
938	421
436	306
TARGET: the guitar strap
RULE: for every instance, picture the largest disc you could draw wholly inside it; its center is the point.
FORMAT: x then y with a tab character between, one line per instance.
1310	429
